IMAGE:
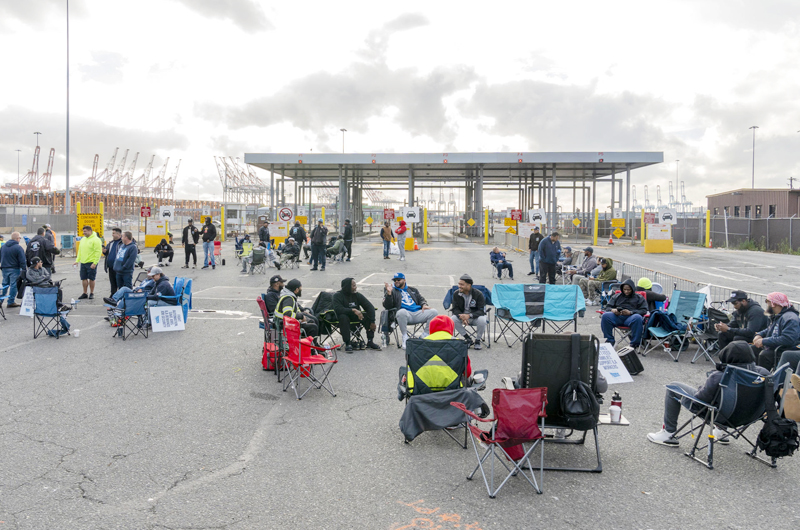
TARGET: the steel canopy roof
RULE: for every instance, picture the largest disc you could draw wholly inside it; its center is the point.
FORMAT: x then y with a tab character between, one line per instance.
452	166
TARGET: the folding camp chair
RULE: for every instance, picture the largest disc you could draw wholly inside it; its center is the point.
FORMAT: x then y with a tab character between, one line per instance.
272	350
738	404
518	419
3	298
687	308
131	315
259	263
546	362
435	374
707	335
503	272
217	253
622	334
47	318
471	332
142	276
511	312
390	328
300	363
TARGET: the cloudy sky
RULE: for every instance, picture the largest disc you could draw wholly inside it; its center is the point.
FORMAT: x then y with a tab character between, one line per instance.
190	79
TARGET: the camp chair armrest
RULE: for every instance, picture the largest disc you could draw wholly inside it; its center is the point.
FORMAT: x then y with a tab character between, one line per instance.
682	393
469	413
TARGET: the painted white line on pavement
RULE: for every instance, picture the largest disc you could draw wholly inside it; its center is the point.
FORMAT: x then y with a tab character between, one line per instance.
721	269
367	278
700	271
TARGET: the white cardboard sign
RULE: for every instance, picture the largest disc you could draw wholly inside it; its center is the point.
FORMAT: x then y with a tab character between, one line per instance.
26	308
611	366
167	318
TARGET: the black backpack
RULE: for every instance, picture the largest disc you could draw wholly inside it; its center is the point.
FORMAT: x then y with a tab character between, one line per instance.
779	435
579	405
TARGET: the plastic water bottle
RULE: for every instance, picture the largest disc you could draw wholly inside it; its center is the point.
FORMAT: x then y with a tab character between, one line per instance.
328	350
616	400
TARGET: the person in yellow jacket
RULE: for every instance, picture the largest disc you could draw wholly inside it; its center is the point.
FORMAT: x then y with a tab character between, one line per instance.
89	252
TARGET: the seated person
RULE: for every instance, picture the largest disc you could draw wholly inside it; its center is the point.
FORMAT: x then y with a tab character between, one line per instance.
591	286
783	330
291	252
38	276
644	284
411	306
350	305
567	260
469	307
585	269
626	308
442	328
164	250
273	294
156	286
499	261
306	251
748	319
239	242
289	305
336	248
737	353
249	259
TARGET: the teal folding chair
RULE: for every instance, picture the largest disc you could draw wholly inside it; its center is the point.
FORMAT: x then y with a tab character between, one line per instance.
687	308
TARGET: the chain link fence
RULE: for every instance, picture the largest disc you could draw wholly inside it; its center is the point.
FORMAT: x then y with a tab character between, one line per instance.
770	234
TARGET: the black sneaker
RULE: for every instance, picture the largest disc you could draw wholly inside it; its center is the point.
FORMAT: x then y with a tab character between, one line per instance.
313	269
185	266
468	341
477	345
110	301
204	267
322	269
531	273
348	349
91	296
213	267
84	296
372	346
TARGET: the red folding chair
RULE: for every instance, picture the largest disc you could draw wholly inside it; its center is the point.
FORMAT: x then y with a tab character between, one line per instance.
300	363
218	252
271	358
518	419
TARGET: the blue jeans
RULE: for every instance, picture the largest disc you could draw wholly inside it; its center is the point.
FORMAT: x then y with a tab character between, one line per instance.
10	277
385	248
208	252
317	255
125	279
533	258
500	265
609	321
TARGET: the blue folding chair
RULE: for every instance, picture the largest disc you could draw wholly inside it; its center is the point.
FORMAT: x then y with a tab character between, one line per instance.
46	316
687	308
3	298
183	295
487	295
132	315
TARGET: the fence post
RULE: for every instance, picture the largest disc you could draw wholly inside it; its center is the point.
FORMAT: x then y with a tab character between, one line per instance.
425	226
767	247
486	226
595	228
708	228
222	223
642	236
726	228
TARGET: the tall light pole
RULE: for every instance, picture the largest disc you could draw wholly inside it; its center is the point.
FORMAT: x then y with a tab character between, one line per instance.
676	183
67	198
343	131
754	127
14	215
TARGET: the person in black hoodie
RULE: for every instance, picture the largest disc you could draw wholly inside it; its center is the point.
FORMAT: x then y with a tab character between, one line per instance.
209	232
164	250
748	319
189	239
298	233
626	308
348	238
352	306
737	353
41	247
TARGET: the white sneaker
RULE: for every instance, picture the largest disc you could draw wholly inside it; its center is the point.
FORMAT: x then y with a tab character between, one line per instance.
663	437
405	338
721	436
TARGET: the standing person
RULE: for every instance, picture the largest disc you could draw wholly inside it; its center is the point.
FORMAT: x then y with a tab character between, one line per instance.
386	236
89	252
12	262
164	250
190	237
127	254
318	244
352	306
51	236
348	238
469	307
298	233
110	252
549	250
533	249
263	232
401	239
41	247
209	234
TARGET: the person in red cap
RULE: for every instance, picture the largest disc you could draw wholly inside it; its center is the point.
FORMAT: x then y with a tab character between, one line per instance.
783	330
442	328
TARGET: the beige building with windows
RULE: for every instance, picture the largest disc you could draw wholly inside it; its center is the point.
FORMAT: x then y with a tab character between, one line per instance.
759	203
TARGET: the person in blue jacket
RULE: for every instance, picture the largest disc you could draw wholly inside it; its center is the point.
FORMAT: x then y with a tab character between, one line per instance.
126	261
12	261
499	261
549	250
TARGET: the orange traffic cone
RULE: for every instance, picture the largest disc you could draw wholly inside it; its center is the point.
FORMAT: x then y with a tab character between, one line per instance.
710	243
610	240
416	246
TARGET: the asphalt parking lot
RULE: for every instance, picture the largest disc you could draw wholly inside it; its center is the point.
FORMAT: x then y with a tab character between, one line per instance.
185	430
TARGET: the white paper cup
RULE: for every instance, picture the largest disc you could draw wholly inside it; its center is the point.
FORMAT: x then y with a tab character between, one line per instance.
478	378
615	412
77	333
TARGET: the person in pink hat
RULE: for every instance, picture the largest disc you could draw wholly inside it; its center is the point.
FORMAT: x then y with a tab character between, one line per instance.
782	333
